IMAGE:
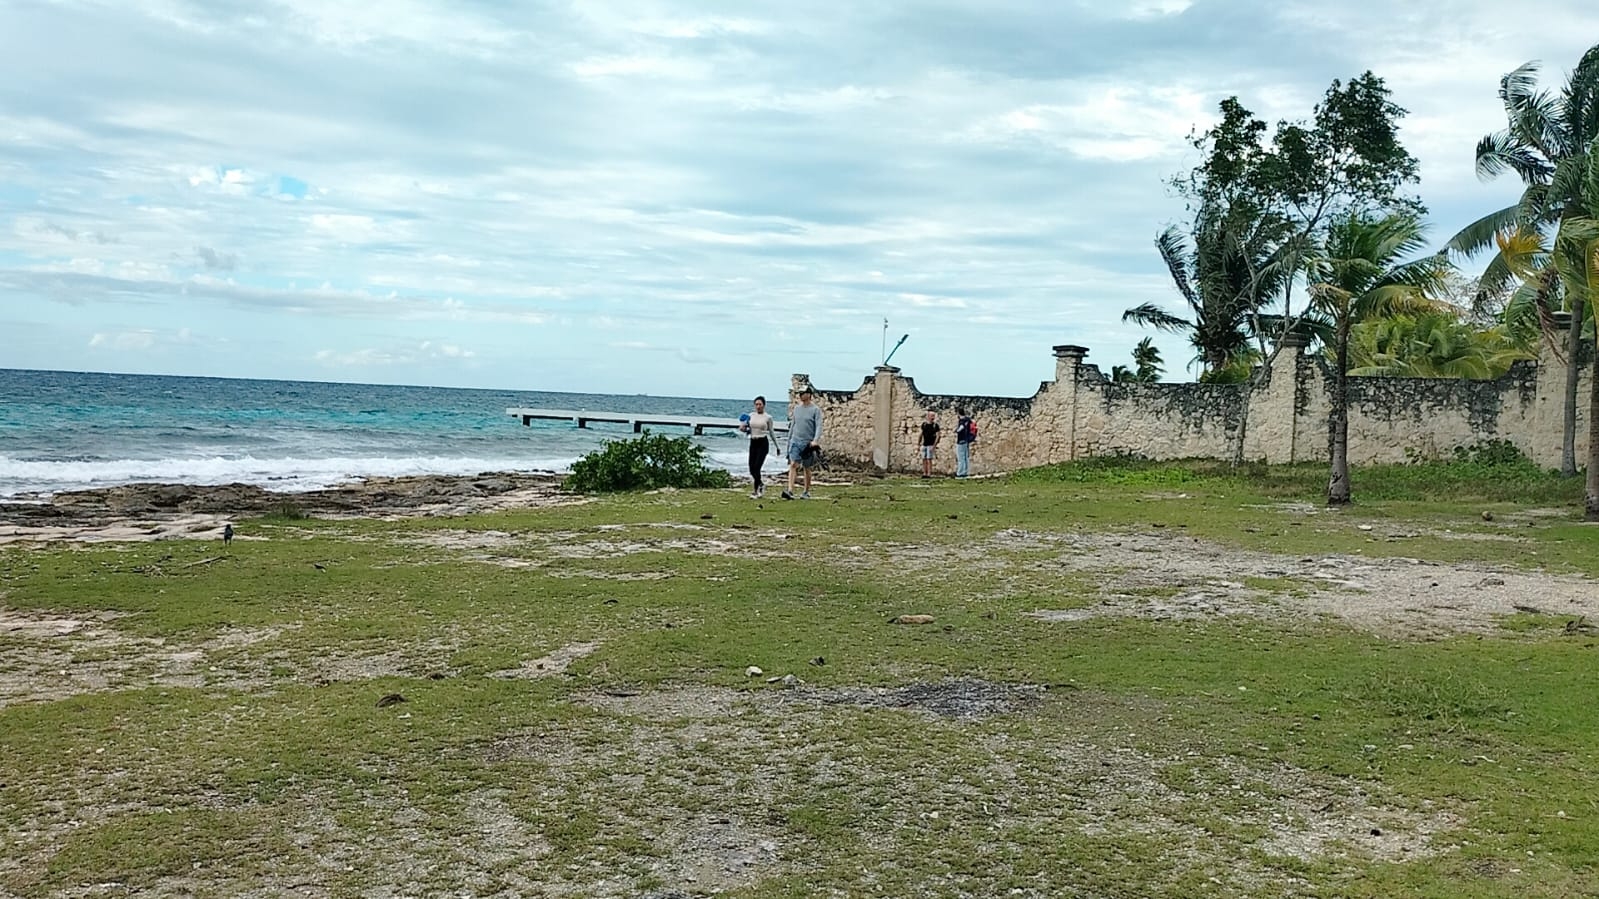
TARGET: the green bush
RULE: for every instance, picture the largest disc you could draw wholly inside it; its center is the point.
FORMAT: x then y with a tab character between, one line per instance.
647	462
1492	453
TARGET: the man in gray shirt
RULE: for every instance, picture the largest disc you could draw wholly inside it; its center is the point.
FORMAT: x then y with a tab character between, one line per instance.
804	442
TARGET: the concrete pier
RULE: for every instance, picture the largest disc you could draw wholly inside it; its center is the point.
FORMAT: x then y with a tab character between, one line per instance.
638	421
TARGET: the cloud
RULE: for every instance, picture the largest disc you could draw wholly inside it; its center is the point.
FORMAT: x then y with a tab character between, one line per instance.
396	356
140	340
529	188
216	260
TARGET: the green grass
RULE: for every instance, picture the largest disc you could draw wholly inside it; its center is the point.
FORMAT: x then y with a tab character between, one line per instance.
220	734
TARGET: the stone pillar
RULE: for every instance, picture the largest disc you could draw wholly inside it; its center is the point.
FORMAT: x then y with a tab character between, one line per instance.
1286	370
1068	365
883	417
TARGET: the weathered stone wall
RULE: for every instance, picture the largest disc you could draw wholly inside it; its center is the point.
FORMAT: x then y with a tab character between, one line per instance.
1281	415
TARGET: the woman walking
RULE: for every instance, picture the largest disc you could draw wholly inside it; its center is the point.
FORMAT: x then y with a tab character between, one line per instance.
759	426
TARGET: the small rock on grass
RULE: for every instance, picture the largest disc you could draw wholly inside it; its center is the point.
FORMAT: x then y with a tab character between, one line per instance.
391	699
753	671
911	619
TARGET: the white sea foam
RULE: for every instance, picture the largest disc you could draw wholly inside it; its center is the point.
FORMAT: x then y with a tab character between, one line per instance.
289	474
28	477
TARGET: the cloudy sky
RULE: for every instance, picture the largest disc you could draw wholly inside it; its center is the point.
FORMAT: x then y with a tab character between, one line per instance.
655	196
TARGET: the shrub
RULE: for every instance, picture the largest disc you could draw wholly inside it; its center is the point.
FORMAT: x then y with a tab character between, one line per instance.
646	462
288	511
1492	452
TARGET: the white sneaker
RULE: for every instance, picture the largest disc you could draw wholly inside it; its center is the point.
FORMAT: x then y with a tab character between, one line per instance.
805	495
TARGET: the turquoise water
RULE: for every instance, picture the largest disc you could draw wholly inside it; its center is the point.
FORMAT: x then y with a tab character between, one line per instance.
71	430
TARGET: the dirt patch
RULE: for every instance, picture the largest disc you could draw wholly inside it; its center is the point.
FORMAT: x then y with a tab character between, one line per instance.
1191	578
700	771
47	657
544	666
956	699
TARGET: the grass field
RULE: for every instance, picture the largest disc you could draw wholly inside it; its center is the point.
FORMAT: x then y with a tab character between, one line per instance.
1140	680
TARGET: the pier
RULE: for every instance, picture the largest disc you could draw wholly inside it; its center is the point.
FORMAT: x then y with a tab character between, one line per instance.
637	420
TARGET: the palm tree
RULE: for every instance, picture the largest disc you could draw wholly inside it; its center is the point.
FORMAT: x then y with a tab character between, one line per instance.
1358	274
1574	261
1547	141
1147	365
1226	271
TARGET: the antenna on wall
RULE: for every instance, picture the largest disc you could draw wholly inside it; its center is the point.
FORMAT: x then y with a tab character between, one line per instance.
885	341
891	353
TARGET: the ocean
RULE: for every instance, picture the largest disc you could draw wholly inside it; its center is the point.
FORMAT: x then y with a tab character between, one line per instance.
74	430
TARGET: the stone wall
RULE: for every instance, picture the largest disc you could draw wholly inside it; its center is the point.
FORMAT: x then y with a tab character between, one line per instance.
1280	415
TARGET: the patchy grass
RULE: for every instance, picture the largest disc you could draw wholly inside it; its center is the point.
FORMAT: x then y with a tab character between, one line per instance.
1235	699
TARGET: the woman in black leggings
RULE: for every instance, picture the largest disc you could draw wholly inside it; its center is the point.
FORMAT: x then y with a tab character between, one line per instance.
759	427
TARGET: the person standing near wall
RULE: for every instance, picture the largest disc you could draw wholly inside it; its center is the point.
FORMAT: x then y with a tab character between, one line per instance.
929	441
804	441
965	436
759	427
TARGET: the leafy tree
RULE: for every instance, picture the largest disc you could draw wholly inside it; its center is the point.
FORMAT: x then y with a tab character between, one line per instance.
1147	365
1548	141
1359	274
1260	205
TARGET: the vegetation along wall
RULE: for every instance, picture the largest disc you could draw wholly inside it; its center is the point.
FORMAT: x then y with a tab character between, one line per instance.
1280	415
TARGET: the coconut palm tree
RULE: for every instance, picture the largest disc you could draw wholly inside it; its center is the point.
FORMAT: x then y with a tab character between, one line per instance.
1226	270
1574	262
1548	141
1360	273
1147	365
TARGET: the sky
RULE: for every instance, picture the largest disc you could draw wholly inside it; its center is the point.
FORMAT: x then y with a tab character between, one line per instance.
673	198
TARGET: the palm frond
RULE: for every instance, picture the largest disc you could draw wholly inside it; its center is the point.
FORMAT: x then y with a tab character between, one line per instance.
1506	151
1173	248
1479	235
1519	84
1580	99
1151	316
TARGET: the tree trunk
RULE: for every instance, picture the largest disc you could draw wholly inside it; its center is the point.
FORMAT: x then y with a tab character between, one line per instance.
1338	491
1568	434
1590	498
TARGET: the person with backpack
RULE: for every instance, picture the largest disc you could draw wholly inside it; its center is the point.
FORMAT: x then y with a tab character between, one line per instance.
965	436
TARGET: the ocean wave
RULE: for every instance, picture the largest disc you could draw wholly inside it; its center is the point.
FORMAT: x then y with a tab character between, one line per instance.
19	476
44	477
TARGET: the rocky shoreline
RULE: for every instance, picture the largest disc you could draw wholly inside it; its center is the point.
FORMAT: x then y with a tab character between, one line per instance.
191	511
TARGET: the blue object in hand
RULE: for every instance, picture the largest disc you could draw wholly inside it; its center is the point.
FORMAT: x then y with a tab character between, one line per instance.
744	417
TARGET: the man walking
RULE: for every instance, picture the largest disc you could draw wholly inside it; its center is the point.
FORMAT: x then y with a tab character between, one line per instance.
804	442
